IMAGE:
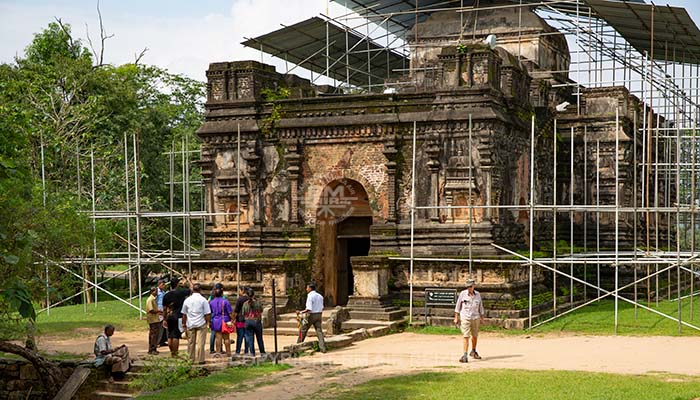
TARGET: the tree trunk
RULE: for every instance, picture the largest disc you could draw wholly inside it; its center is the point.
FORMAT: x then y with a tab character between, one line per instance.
86	275
47	370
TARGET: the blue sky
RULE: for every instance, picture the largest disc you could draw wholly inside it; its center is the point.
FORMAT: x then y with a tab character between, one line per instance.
183	36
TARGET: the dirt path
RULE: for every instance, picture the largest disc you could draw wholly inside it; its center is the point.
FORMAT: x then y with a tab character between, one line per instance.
407	353
137	341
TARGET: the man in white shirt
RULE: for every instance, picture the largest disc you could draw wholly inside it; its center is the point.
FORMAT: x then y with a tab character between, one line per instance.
314	316
470	310
196	317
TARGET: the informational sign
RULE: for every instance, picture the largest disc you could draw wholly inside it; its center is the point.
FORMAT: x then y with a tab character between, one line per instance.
440	297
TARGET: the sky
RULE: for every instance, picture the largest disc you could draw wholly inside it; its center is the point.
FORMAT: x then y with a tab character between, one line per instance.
183	36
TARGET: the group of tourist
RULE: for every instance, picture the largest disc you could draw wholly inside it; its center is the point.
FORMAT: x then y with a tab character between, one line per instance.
184	310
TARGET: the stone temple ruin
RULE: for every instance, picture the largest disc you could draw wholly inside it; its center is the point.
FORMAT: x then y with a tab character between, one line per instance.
321	188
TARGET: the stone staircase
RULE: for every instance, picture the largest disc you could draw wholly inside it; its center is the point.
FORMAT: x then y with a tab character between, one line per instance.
360	316
106	390
287	324
373	315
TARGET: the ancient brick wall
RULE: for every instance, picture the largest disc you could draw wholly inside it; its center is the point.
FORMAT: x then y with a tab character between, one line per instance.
361	162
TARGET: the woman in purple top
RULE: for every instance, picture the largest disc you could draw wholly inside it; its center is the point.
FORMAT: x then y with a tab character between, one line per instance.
220	314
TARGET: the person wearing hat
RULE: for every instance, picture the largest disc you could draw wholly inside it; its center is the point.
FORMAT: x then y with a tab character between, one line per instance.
470	311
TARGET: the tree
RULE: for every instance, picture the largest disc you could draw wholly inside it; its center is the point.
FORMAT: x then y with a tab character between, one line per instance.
58	106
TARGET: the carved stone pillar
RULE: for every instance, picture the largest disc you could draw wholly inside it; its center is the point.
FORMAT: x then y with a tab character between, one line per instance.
489	198
293	157
391	153
433	151
253	160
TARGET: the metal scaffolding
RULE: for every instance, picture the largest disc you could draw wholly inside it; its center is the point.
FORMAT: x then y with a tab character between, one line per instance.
662	70
172	259
657	61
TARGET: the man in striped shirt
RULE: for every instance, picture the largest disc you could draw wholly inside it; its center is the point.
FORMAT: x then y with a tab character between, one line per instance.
470	310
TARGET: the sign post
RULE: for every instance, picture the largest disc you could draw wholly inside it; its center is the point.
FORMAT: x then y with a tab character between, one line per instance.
439	297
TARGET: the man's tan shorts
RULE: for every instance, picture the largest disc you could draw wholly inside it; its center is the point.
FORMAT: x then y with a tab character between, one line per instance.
470	327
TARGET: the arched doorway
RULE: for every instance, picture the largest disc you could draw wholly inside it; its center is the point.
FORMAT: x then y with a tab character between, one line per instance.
343	218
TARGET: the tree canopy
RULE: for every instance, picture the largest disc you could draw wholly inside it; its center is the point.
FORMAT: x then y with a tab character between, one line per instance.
58	109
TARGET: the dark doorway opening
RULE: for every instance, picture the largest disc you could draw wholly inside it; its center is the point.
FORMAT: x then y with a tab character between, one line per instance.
353	240
343	222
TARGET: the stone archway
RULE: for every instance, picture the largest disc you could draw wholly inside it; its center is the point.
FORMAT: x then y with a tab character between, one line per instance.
343	219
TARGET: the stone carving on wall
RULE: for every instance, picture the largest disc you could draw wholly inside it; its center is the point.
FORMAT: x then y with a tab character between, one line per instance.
461	190
230	183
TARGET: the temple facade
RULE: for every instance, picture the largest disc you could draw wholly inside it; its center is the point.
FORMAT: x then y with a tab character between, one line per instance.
322	186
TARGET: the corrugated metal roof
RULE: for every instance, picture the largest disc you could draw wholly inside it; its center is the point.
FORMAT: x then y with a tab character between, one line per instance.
403	14
676	37
303	44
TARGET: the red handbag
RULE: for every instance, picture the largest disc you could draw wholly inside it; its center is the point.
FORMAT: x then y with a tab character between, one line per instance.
226	327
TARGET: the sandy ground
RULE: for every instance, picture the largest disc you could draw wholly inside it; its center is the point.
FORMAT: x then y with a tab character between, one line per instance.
410	353
137	342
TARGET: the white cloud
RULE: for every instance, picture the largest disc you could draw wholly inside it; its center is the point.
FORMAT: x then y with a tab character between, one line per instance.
183	44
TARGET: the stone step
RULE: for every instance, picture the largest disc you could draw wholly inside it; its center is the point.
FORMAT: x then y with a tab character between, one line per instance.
282	331
136	366
393	315
217	363
353	324
116	387
287	324
106	395
369	307
292	316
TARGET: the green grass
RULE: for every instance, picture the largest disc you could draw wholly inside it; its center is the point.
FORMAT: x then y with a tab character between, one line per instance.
117	268
74	319
525	385
228	380
598	319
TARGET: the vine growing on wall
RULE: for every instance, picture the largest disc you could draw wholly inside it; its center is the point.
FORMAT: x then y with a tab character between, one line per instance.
461	48
271	96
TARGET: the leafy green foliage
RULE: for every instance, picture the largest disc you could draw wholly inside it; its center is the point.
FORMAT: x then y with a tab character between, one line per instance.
17	296
57	111
269	124
160	373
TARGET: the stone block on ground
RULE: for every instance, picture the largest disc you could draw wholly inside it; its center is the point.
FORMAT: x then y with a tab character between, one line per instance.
358	334
338	341
378	331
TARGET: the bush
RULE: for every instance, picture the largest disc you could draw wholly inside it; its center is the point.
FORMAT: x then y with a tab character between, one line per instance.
160	373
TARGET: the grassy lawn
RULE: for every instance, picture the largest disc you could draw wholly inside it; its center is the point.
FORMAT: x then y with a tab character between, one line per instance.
228	380
65	320
524	385
117	268
598	319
